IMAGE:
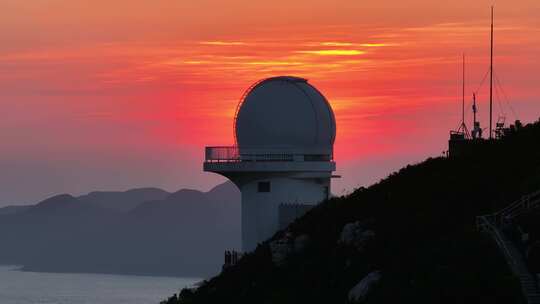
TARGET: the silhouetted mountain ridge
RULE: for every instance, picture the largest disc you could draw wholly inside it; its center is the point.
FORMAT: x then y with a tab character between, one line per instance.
13	209
62	205
123	200
181	234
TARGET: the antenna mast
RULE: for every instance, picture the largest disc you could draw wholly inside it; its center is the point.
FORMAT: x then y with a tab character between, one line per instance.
474	108
463	94
476	131
491	82
463	127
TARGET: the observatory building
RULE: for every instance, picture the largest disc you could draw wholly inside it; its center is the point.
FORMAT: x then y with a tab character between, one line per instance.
283	158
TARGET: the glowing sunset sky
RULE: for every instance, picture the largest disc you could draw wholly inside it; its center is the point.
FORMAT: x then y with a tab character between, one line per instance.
112	95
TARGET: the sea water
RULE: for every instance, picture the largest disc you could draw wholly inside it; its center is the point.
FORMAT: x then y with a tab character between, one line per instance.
20	287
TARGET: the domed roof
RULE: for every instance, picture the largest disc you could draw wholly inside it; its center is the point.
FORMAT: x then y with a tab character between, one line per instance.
285	113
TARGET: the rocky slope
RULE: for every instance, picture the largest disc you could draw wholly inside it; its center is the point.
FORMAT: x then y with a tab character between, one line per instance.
411	238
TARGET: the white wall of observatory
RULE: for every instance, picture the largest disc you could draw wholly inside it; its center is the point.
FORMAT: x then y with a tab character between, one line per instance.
260	210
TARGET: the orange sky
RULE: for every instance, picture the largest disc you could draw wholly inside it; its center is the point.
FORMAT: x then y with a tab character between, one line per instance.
116	94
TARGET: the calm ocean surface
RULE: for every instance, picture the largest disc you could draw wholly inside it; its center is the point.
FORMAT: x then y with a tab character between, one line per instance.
17	287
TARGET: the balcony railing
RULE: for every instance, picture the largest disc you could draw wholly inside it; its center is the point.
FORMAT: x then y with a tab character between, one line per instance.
233	154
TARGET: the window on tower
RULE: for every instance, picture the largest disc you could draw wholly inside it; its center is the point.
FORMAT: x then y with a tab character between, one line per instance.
263	187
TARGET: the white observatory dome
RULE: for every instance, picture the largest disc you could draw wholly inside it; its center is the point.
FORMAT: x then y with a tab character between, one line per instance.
285	113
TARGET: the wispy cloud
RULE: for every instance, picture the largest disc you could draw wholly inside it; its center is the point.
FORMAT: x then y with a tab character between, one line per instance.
376	44
333	52
274	63
372	44
336	43
196	62
223	43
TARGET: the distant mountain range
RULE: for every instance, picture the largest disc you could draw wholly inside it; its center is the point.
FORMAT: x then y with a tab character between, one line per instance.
145	231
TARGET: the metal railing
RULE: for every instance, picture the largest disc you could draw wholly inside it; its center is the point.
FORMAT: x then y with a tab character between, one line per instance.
234	154
492	224
518	207
219	154
485	224
525	203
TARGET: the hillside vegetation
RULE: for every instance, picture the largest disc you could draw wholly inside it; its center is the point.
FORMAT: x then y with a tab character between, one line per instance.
426	245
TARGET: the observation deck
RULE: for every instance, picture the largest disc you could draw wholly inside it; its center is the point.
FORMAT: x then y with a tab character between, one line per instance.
224	159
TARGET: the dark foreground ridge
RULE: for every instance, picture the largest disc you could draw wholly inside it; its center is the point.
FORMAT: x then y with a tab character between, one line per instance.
412	235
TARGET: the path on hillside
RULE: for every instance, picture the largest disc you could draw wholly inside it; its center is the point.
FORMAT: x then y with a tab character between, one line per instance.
492	224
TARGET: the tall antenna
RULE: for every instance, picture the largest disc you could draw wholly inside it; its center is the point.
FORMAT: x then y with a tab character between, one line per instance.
474	108
463	93
463	127
476	130
491	82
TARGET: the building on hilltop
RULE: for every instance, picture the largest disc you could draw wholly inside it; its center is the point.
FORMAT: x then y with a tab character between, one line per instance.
284	131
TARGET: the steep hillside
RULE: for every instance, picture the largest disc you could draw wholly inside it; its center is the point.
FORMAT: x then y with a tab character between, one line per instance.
422	237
